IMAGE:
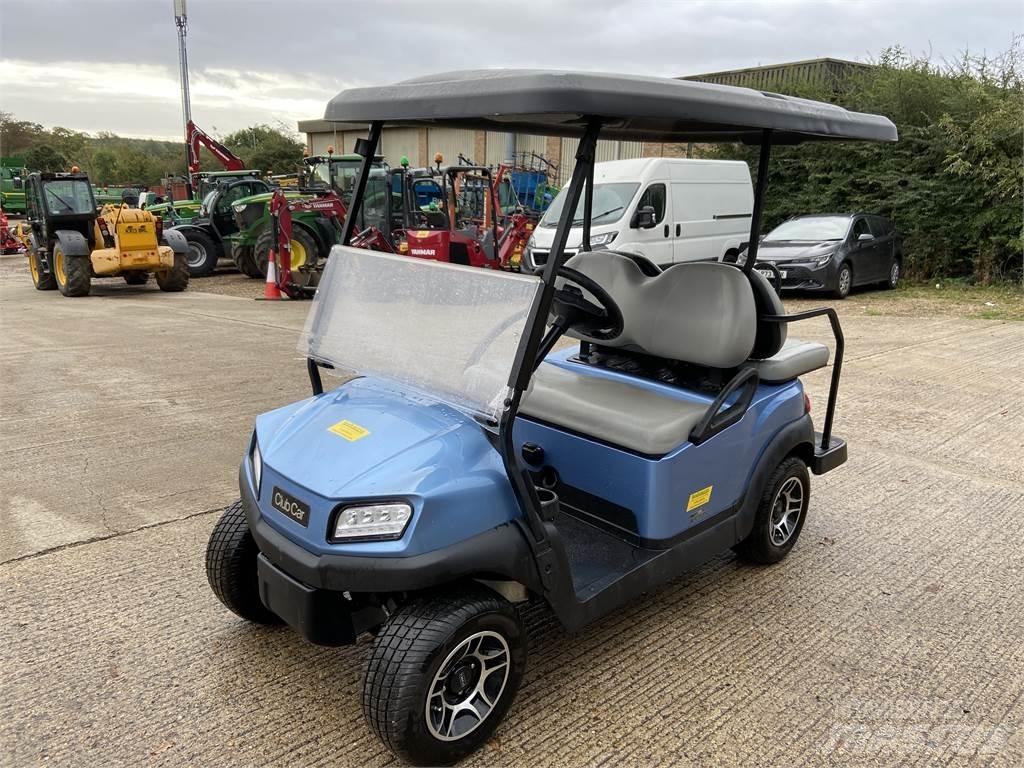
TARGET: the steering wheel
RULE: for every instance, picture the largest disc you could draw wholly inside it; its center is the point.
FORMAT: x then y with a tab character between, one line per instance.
776	274
601	321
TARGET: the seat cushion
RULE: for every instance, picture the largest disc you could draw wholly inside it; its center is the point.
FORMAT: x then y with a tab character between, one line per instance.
611	411
794	359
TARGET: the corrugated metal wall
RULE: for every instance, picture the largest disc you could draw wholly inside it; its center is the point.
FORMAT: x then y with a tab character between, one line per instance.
449	142
606	150
396	142
495	148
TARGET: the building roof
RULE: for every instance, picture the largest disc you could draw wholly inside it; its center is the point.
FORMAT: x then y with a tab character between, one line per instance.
823	62
559	103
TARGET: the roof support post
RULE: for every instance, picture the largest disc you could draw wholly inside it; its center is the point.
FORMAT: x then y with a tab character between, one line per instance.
762	185
588	208
368	149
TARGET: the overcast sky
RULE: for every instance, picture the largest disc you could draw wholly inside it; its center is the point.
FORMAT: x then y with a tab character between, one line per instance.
101	65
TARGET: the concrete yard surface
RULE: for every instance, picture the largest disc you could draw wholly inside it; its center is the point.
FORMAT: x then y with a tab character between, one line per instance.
893	634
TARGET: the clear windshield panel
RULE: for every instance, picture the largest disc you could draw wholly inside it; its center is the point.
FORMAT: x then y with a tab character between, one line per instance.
68	196
448	331
811	228
610	202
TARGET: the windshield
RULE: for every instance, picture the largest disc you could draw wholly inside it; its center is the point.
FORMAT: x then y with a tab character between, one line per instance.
813	228
68	196
610	202
344	175
447	331
204	207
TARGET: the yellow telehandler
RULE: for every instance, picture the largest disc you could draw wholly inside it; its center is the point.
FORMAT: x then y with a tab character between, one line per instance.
68	242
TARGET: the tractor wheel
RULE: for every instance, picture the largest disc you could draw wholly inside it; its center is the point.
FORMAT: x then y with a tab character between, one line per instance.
73	273
442	673
231	567
43	281
305	251
244	260
202	253
176	278
136	278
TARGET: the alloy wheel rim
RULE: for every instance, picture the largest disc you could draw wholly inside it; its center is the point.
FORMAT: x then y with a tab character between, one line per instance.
468	685
894	273
844	281
787	508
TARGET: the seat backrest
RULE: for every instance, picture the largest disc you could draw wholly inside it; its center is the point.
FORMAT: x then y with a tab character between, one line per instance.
702	313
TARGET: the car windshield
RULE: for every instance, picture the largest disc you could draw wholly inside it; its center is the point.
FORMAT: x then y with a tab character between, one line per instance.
812	228
610	202
68	196
447	331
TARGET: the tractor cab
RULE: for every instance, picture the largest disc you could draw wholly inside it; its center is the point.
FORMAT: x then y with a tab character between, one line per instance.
60	201
208	181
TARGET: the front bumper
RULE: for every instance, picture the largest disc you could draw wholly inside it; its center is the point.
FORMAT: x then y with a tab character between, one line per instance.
804	276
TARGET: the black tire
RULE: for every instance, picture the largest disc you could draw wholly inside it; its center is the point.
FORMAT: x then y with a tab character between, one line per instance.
408	654
895	273
245	261
76	272
43	281
176	278
202	253
765	544
136	278
261	251
231	567
843	285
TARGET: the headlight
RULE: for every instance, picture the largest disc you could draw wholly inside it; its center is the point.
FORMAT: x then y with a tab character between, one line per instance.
383	522
742	259
824	259
257	464
603	239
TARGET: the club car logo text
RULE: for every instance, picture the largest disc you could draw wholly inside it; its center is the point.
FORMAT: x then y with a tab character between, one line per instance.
290	506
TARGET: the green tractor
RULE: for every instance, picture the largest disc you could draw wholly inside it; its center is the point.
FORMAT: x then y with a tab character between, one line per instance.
312	234
12	185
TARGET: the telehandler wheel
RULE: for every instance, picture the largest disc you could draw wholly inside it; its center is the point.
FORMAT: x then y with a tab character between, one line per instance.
176	278
443	672
73	273
780	514
202	253
43	281
231	567
246	263
136	278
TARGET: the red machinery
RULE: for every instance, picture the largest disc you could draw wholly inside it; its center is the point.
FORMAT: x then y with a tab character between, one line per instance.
196	136
8	242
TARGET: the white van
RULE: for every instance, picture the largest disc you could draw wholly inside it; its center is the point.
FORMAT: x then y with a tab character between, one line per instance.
701	211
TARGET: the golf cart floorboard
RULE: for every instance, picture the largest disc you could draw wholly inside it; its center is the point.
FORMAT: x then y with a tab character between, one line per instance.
597	558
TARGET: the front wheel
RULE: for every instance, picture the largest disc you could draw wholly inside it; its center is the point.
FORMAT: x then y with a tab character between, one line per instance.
41	279
231	567
443	672
780	514
73	273
844	281
176	278
202	253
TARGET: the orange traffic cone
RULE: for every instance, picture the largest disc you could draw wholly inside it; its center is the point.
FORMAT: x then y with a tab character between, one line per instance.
270	291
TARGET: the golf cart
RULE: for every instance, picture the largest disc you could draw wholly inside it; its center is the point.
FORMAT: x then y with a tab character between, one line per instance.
474	463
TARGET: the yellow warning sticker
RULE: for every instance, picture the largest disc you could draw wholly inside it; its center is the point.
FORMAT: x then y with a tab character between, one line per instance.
699	498
349	430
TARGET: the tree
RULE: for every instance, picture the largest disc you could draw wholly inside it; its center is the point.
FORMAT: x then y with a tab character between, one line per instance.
266	148
43	157
102	167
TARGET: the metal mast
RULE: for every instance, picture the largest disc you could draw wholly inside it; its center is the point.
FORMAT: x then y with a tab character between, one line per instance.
181	22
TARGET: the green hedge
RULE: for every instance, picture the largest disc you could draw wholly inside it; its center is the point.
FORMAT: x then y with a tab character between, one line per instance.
953	182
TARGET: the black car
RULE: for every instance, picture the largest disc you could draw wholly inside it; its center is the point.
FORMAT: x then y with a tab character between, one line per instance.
832	252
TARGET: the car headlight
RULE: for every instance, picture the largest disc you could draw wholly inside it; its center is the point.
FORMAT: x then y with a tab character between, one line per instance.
603	239
382	522
821	261
257	464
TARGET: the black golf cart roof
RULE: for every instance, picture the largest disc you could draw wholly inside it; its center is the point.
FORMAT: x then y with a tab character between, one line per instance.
558	103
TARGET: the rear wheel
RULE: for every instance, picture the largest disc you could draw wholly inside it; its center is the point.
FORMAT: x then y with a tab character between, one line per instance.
780	514
895	272
245	261
136	278
42	280
73	273
305	252
844	281
231	567
202	253
176	278
443	672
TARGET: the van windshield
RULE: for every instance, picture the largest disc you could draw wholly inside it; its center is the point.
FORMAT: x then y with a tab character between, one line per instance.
610	202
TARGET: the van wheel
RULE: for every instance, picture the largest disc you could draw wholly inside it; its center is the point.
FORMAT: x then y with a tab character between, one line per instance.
780	514
730	256
73	273
443	672
844	281
231	567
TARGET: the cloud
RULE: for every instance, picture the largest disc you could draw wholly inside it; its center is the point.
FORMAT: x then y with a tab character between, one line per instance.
112	65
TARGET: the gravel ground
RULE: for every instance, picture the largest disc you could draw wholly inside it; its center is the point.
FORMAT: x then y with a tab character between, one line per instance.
891	636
